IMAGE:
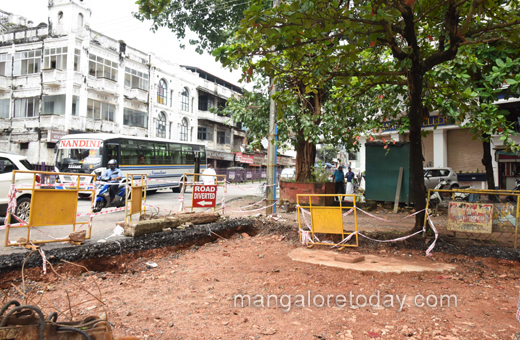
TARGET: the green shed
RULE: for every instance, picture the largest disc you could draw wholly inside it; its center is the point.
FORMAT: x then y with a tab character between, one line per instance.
382	171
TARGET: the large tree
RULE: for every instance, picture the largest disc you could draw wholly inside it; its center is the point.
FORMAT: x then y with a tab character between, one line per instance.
366	45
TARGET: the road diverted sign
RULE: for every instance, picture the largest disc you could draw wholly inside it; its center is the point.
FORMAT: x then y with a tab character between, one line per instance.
204	196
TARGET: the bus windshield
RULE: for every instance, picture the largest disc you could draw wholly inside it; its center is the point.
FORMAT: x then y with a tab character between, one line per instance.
78	158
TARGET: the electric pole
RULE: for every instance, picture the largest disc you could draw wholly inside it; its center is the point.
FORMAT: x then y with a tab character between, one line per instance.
271	151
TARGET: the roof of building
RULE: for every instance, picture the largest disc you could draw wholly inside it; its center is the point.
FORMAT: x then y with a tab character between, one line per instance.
208	76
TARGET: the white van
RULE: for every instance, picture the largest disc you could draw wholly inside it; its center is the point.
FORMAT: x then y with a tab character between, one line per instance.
10	161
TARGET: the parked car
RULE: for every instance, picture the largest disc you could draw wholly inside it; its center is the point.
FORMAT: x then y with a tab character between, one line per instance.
10	161
433	175
288	174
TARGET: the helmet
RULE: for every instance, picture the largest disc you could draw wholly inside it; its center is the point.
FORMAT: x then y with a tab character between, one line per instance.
112	164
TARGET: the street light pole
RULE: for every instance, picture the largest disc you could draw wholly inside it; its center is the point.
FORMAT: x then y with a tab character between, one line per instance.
271	158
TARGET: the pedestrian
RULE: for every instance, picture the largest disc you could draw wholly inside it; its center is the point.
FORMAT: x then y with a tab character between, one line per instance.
209	180
339	180
350	185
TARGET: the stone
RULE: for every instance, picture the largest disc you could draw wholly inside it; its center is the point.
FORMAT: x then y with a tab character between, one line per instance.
349	259
78	236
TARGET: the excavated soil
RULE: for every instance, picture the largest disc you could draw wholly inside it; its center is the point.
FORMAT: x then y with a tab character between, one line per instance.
189	293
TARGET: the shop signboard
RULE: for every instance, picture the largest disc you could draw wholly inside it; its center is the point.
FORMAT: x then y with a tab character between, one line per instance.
224	156
470	217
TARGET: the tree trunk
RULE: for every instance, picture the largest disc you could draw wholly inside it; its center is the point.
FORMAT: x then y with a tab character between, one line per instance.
415	115
305	158
487	161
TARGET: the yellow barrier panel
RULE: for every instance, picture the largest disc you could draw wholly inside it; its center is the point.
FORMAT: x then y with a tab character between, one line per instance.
50	207
135	201
195	182
327	219
495	193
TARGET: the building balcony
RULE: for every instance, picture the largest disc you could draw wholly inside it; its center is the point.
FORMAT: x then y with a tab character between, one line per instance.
54	77
52	122
102	85
134	131
78	79
5	124
5	84
98	125
136	95
27	81
206	115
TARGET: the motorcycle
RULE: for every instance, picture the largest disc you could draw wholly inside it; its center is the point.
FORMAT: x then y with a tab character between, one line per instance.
516	188
103	195
444	184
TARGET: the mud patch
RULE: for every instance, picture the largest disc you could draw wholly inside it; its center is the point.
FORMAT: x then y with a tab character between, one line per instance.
372	263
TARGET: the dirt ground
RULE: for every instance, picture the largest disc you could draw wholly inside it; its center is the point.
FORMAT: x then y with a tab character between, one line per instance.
189	293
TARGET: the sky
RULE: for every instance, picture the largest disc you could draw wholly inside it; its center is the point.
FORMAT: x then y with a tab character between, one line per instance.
114	19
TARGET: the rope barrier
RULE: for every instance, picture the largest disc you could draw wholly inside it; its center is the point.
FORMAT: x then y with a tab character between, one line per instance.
346	239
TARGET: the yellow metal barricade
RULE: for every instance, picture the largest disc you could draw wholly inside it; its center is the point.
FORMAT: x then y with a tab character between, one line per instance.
497	194
51	205
327	219
221	183
137	198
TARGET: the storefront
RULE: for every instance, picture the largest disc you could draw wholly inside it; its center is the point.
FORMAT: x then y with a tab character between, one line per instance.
220	159
508	168
244	160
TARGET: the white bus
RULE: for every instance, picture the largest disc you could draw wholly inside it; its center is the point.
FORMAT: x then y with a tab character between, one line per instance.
159	159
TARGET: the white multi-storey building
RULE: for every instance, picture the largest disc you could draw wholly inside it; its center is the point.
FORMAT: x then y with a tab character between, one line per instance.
65	77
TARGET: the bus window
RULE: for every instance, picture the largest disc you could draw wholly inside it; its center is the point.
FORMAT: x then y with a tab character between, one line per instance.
202	155
129	152
175	153
161	154
187	154
146	150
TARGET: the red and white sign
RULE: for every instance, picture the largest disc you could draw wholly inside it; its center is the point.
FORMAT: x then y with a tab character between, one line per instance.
204	196
80	144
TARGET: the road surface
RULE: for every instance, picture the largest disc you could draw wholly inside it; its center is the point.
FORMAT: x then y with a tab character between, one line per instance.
103	225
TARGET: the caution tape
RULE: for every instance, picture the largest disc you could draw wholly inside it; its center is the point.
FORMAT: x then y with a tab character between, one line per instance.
518	310
246	211
108	211
346	239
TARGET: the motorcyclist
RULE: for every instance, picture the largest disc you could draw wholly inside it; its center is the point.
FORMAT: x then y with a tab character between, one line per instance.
113	175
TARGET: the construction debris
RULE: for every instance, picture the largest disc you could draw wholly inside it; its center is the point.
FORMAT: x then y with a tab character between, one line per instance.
170	221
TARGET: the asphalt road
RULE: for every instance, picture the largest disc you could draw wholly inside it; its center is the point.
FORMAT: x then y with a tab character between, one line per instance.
103	225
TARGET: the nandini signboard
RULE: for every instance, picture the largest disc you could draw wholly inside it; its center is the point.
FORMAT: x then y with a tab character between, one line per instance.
204	196
80	144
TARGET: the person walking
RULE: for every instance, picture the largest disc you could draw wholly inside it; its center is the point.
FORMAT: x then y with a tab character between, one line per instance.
339	180
350	185
208	180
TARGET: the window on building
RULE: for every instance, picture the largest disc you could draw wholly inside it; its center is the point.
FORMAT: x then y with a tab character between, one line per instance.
171	98
136	79
4	108
55	58
99	110
203	102
184	130
185	100
223	137
161	92
26	107
352	156
77	57
75	105
205	133
135	118
27	62
80	20
102	68
53	105
161	125
6	62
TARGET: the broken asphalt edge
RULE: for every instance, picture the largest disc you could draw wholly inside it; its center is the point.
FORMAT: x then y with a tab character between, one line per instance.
120	246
